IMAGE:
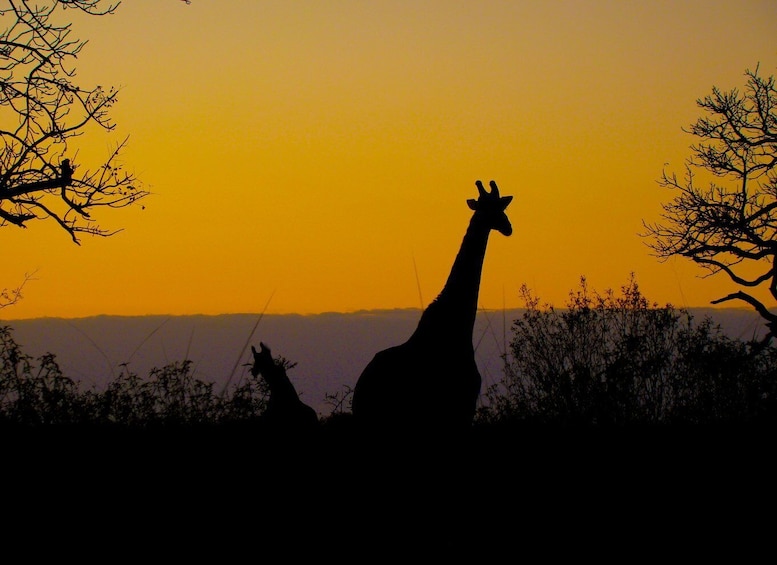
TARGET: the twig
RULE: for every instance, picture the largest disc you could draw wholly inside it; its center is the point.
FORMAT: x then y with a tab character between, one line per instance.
245	345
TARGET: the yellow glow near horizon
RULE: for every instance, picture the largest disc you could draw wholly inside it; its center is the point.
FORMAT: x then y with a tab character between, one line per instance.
321	153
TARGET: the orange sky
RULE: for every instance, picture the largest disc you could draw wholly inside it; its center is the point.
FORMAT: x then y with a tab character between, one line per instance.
319	154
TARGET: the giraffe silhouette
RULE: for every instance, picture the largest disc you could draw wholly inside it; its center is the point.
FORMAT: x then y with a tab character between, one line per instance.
431	383
285	411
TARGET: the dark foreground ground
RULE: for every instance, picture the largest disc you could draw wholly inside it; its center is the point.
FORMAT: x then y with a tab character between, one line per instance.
490	456
645	488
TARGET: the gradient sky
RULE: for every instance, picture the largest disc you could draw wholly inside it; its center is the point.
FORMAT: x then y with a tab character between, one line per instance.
317	156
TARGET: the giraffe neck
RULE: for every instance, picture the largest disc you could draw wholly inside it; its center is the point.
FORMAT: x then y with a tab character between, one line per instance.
281	387
456	305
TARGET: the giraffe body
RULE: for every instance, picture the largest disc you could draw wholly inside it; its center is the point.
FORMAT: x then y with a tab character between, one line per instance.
431	382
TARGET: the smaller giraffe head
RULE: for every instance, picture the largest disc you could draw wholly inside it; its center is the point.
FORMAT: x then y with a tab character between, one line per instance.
263	361
492	207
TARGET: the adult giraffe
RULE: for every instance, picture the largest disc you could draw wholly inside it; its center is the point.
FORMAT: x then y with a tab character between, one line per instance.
431	383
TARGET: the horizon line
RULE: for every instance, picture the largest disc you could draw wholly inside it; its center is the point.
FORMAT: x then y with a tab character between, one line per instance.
361	311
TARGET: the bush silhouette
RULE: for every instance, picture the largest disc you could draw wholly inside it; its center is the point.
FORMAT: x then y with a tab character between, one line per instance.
35	392
39	394
616	360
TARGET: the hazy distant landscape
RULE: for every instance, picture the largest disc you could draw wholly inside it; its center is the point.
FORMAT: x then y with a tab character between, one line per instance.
330	349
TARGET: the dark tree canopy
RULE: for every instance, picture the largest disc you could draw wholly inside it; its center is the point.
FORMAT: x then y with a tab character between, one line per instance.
729	225
42	110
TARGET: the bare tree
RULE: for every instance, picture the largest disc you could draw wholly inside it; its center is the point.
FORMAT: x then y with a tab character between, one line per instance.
42	110
729	225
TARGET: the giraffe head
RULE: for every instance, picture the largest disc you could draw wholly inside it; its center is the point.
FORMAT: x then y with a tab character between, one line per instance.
492	208
263	361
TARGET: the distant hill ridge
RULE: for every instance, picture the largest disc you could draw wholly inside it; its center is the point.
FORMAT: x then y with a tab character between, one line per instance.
330	349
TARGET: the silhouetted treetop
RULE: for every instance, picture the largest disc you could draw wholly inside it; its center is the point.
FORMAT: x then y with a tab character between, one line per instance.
729	225
43	108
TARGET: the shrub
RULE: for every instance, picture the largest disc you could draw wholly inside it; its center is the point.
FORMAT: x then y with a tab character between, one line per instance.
35	392
35	395
620	360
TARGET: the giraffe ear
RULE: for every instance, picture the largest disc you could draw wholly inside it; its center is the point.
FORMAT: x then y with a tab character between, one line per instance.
506	200
472	203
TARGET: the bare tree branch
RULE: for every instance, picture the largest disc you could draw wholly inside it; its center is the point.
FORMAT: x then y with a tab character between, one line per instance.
42	110
9	297
731	223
